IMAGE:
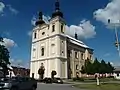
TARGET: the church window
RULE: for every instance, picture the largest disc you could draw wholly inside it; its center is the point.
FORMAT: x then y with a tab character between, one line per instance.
35	35
34	52
43	33
42	51
34	49
62	28
82	56
77	67
62	53
53	28
76	54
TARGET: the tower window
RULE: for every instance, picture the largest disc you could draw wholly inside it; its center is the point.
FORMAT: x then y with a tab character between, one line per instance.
62	28
62	53
42	51
43	33
62	42
53	28
34	49
34	52
35	35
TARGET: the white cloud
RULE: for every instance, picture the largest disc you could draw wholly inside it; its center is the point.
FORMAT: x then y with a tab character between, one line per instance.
19	62
33	20
115	63
2	6
8	43
13	10
9	7
111	11
107	54
84	30
29	33
46	19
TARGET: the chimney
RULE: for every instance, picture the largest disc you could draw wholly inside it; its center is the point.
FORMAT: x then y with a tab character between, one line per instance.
76	37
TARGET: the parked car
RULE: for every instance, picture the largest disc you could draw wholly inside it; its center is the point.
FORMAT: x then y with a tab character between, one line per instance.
58	80
18	83
47	80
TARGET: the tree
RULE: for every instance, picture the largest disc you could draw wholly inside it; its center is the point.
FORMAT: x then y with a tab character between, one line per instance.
87	67
110	68
103	67
97	67
53	73
4	57
41	72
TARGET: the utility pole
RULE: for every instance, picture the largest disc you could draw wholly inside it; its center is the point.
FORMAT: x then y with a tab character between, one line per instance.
117	43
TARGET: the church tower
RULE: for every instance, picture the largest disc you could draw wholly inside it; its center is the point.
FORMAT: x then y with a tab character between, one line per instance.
49	46
57	22
57	31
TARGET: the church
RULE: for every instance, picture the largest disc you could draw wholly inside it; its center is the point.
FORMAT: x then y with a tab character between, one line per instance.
55	50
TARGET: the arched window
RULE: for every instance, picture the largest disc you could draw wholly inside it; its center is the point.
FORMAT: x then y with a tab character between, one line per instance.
76	54
42	51
90	57
35	35
77	67
82	56
53	28
62	30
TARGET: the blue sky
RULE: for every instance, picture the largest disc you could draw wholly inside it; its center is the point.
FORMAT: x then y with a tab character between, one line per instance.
16	17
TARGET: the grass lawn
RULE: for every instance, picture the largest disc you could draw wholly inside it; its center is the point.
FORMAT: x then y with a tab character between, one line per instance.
101	87
94	80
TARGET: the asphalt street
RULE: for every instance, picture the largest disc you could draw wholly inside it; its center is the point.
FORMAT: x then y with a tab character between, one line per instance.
42	86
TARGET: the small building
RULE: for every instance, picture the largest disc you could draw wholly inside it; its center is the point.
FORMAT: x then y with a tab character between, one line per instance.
116	73
20	71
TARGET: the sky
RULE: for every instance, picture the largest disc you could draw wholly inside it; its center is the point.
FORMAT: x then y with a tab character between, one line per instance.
88	18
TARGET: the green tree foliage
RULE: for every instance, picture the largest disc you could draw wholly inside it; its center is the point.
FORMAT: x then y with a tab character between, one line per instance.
96	67
41	72
111	68
103	67
4	57
53	73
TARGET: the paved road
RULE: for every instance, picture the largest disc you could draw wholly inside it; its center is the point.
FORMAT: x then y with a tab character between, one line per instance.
56	87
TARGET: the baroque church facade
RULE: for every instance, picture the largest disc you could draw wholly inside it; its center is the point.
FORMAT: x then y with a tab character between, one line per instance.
55	50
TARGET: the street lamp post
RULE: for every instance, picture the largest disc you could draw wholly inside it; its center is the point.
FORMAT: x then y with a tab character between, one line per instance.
116	25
